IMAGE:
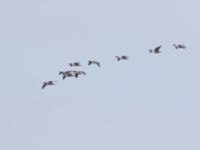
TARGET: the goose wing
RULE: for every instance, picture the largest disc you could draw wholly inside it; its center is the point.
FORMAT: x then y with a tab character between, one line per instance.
61	72
89	62
44	85
82	72
98	64
118	58
76	74
156	50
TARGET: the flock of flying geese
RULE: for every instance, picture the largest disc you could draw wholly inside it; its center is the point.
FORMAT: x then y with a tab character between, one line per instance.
73	73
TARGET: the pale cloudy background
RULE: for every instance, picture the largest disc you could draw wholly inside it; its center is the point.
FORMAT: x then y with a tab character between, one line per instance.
150	102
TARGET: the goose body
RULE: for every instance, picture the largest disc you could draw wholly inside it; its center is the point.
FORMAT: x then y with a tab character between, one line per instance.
48	83
156	50
65	74
77	73
76	64
179	46
94	62
121	57
71	73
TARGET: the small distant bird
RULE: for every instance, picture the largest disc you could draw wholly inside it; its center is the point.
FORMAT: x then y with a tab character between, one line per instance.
66	74
179	46
76	64
156	50
48	83
121	58
94	62
77	73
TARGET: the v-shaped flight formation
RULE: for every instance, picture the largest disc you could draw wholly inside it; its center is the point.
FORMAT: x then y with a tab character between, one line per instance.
77	73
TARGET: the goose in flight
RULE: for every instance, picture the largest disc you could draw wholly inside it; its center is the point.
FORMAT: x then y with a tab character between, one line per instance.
94	62
156	50
121	57
77	73
76	64
48	83
66	74
179	46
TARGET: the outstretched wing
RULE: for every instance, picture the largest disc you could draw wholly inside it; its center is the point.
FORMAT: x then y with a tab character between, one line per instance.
76	74
118	58
98	64
64	76
89	62
44	85
61	73
156	50
83	72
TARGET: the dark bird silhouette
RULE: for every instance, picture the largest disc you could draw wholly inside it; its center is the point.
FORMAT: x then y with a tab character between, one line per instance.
94	62
48	83
77	73
179	46
121	57
156	50
76	64
66	74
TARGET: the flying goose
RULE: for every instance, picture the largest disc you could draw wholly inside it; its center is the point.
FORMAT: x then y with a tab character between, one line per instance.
121	58
77	73
65	74
179	46
93	62
76	64
48	83
156	50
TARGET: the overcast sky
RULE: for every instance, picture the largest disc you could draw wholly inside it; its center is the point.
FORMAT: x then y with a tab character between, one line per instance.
150	102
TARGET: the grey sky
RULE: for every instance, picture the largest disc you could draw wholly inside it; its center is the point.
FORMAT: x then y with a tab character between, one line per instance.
150	102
